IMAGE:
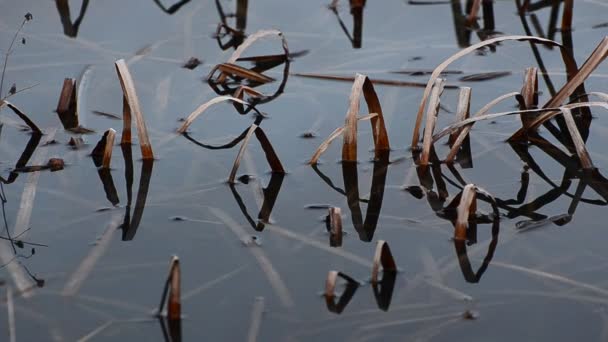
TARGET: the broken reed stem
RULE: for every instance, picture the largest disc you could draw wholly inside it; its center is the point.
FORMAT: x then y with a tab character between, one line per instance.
107	151
577	140
462	111
67	107
382	257
466	208
172	292
175	303
431	118
335	226
349	146
330	284
529	92
131	100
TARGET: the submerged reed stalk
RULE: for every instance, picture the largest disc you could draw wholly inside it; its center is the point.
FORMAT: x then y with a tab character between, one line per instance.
131	106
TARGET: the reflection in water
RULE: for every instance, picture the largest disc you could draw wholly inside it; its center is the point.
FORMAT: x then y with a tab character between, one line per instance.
346	296
130	225
70	28
382	291
27	153
172	329
365	228
237	34
173	8
356	10
271	192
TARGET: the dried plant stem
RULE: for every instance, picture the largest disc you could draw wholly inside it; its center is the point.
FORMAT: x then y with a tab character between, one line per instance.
431	118
271	156
465	130
577	78
529	92
567	59
131	101
202	108
107	151
239	156
577	140
466	208
22	116
462	111
172	292
67	107
382	257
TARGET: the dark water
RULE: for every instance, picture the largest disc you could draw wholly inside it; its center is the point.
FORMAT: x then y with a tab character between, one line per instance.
544	283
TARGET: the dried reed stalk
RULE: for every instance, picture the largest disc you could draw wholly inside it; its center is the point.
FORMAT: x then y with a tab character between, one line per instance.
472	15
172	292
67	107
465	130
107	151
577	140
239	71
131	101
529	92
202	108
335	226
576	79
462	111
361	85
431	118
22	116
271	157
383	257
566	58
467	207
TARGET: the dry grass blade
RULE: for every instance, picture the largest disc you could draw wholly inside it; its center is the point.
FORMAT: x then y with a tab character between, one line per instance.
335	226
431	118
202	108
82	272
462	111
465	130
256	319
172	292
324	145
577	140
239	71
383	257
576	79
252	38
373	81
131	99
22	116
239	156
363	85
67	108
466	208
568	61
107	152
529	92
10	307
554	111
